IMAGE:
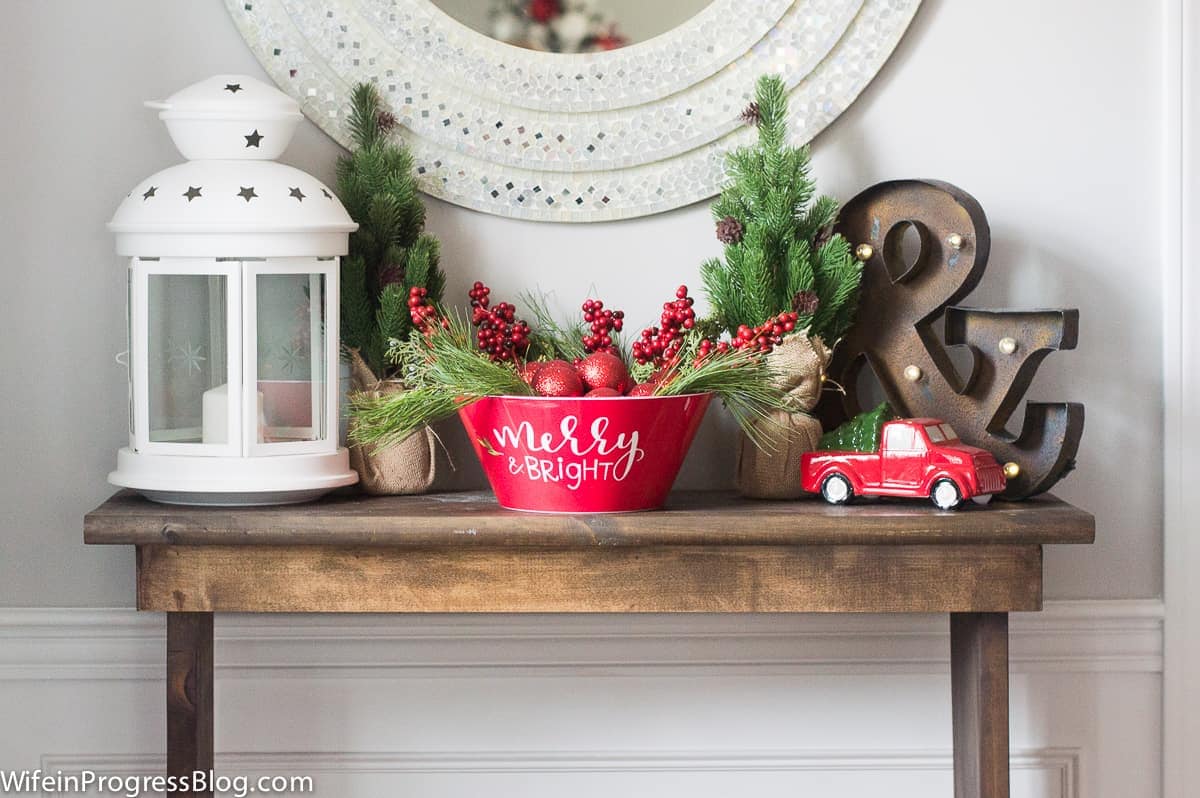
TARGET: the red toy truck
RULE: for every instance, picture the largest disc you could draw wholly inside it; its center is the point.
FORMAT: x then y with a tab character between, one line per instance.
917	458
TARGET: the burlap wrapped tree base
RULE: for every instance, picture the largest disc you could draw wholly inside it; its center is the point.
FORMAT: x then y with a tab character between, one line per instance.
405	468
800	363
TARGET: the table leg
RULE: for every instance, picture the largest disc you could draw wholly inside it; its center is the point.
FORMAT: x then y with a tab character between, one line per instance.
979	686
190	694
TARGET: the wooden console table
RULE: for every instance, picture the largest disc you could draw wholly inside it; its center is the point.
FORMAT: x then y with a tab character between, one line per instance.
707	552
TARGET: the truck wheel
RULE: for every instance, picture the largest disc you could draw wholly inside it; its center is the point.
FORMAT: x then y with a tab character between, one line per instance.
945	494
836	489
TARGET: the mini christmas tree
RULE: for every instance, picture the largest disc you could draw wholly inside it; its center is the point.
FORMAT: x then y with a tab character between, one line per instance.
389	254
859	434
780	253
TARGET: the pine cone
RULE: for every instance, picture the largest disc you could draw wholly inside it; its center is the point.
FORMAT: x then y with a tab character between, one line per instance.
750	114
385	121
729	230
806	303
390	275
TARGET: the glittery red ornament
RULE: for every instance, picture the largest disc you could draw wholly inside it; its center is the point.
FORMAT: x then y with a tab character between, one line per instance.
604	370
530	370
603	392
557	378
643	389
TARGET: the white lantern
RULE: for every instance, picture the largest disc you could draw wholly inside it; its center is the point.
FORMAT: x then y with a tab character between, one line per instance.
233	309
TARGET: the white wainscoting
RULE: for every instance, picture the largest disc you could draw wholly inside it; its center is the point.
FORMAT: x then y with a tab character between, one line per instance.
603	705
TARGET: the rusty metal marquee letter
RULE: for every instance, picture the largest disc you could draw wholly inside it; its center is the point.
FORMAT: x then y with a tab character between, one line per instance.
905	294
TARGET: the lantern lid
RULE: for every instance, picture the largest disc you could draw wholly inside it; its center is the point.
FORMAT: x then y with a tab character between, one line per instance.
230	116
228	208
228	95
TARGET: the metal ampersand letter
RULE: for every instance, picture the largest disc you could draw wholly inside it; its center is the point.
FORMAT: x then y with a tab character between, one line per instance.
905	294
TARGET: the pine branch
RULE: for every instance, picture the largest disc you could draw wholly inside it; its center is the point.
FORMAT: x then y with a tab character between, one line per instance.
421	265
799	269
821	215
392	318
837	277
445	371
381	421
364	115
742	379
358	315
755	276
771	96
550	339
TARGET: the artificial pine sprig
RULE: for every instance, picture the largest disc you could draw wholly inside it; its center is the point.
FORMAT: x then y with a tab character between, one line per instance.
742	379
446	372
779	252
383	421
457	367
550	339
389	253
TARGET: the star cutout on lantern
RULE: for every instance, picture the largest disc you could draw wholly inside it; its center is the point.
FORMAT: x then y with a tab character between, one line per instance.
247	193
253	139
149	192
297	193
233	88
192	192
327	194
293	358
189	355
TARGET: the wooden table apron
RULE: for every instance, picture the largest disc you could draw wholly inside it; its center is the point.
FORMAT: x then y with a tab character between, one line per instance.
707	552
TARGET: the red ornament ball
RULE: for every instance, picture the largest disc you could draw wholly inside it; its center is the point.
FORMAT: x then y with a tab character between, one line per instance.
557	378
530	370
643	389
604	370
595	392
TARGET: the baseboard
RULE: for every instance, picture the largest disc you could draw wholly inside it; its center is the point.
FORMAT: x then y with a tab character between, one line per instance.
1062	763
1122	636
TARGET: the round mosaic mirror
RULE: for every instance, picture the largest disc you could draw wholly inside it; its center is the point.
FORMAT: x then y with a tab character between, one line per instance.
526	111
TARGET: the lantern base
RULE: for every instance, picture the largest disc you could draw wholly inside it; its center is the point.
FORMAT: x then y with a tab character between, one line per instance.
232	481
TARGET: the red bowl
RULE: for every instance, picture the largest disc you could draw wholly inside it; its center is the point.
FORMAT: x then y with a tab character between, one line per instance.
602	455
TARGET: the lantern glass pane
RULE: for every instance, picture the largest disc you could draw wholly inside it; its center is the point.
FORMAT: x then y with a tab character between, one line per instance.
129	345
291	357
188	366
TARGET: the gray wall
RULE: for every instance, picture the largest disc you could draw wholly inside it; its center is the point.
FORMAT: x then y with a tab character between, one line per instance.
1050	114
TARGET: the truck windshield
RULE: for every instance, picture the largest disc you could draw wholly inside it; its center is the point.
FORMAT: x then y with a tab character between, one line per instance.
935	433
949	432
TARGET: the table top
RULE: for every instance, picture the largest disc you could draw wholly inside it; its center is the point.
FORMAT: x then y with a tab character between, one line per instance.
690	518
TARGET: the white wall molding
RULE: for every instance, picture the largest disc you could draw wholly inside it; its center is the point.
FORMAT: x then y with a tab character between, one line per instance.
1060	764
1123	636
1181	382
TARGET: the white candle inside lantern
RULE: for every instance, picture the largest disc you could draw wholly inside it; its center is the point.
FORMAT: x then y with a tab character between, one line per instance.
215	424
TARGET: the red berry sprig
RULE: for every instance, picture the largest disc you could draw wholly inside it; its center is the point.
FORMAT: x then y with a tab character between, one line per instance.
707	347
479	302
659	345
420	309
499	332
603	323
767	335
